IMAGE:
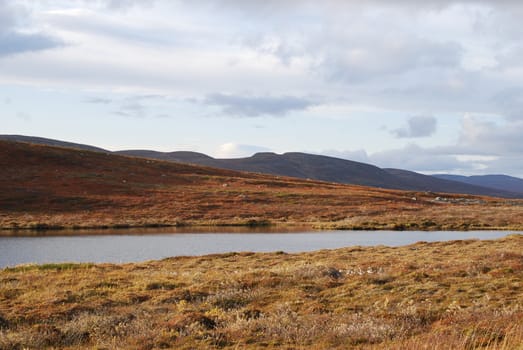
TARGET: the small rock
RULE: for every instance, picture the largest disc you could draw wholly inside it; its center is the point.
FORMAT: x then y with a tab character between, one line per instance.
3	323
333	273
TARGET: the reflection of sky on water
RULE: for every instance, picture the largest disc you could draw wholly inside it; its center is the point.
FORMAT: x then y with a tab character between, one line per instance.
125	247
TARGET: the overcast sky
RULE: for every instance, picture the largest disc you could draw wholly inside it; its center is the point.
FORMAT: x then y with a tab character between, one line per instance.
429	86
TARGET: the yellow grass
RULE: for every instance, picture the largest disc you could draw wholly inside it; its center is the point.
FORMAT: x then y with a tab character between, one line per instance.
446	295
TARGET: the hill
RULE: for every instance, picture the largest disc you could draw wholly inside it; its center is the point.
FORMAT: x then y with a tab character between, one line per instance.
500	182
50	142
300	165
421	182
45	187
324	168
317	167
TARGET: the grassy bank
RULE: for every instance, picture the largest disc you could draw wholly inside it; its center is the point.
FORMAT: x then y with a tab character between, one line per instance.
446	295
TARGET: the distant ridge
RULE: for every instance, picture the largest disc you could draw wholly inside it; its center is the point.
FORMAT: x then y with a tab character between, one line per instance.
181	156
319	167
500	182
50	142
419	181
301	165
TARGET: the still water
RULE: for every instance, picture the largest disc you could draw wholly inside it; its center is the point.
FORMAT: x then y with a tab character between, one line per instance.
140	245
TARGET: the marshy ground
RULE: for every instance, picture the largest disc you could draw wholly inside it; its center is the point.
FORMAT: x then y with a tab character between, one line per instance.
444	295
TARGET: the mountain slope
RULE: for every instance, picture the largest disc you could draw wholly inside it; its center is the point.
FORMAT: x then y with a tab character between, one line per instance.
422	182
294	164
50	142
500	182
308	166
324	168
45	186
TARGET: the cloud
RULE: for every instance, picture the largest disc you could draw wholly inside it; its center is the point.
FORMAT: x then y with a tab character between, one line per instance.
24	116
357	155
505	165
413	157
255	106
135	106
13	40
234	150
105	25
126	4
14	43
478	136
356	59
99	100
483	147
510	102
433	160
418	126
9	12
306	48
132	109
336	39
416	158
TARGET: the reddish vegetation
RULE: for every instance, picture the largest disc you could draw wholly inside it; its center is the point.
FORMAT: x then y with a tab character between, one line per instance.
44	186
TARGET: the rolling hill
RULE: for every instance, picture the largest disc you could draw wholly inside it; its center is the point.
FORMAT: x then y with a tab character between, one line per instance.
420	182
318	167
300	165
500	182
324	168
55	187
50	142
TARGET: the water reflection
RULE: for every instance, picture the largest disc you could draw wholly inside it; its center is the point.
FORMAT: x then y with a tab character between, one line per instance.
140	245
154	230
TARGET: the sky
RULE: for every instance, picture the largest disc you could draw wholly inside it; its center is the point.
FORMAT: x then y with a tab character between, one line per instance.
431	86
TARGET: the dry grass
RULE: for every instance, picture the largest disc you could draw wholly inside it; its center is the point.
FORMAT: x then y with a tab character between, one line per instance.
47	187
445	295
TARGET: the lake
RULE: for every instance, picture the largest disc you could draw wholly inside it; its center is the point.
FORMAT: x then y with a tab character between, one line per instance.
140	244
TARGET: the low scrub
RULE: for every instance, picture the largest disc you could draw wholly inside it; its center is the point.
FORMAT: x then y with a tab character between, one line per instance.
445	295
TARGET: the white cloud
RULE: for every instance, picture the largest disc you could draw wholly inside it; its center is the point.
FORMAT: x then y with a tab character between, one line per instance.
414	157
356	155
234	150
486	137
125	4
483	147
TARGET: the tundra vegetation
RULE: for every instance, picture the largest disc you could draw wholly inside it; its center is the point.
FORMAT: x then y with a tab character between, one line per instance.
445	295
45	187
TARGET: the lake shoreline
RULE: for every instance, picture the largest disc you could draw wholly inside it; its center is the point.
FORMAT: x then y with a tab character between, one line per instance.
43	229
133	246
